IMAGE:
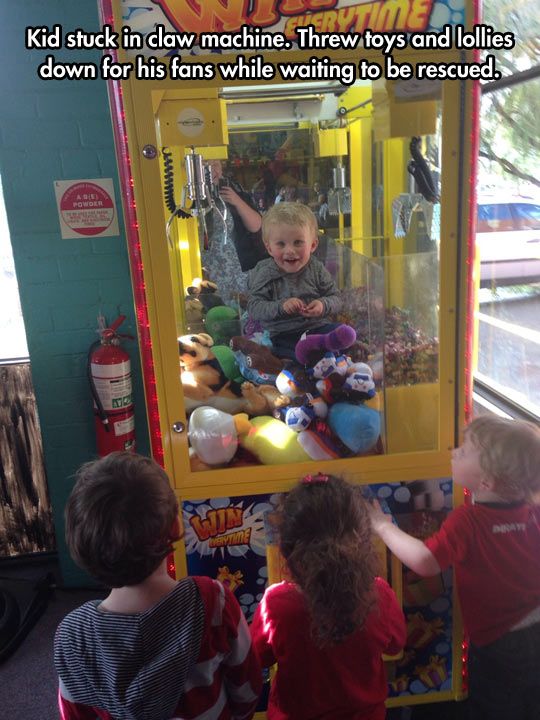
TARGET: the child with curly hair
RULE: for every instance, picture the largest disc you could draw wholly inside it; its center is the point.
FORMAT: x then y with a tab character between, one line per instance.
327	630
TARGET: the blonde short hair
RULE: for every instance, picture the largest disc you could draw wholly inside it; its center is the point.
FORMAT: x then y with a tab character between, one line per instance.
289	213
509	454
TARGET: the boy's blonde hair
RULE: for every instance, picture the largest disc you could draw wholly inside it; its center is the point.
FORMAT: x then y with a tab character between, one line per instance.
509	454
289	213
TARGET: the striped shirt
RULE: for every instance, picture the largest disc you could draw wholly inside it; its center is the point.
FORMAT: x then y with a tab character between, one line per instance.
187	658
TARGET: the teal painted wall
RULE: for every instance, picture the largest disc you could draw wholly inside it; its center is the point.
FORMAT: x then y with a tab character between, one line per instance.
61	130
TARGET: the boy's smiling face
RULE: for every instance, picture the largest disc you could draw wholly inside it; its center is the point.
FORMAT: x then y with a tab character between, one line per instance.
290	245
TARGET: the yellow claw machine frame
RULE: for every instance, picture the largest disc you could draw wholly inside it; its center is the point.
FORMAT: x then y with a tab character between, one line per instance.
391	163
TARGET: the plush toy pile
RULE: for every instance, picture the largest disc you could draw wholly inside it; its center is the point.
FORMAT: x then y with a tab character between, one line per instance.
321	407
244	402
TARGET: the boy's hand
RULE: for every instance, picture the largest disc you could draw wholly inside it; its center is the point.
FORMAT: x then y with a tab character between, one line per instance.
410	550
294	305
314	309
378	518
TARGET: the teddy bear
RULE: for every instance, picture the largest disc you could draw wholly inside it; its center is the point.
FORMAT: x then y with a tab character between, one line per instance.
200	297
194	312
205	292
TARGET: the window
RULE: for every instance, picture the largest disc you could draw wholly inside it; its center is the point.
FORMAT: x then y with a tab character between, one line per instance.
508	220
13	345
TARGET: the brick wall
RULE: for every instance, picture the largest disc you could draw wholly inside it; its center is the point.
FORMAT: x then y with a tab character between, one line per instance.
51	130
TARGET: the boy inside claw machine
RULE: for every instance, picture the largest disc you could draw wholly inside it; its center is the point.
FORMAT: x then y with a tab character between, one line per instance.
323	396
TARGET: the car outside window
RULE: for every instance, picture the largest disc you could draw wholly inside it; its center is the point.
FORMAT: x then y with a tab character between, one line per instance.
495	217
527	216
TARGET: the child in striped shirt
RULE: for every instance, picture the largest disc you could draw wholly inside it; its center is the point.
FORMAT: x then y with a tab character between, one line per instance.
155	648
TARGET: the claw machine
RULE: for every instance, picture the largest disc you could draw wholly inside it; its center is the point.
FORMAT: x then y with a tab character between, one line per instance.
387	166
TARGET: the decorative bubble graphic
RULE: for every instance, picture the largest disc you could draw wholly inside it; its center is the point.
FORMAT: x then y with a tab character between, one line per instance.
417	687
220	503
440	606
442	648
402	494
261	508
440	15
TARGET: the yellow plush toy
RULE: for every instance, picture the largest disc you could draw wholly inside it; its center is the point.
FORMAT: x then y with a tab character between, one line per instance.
269	439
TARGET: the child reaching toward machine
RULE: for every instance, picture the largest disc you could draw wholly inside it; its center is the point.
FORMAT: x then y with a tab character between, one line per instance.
494	547
155	648
328	628
291	292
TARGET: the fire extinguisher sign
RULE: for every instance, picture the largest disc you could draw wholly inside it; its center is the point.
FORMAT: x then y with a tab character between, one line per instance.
86	208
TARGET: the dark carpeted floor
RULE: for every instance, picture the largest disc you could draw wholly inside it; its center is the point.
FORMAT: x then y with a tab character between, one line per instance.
28	683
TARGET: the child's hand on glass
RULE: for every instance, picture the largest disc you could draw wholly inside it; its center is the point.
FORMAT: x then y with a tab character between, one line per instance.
294	305
378	518
314	309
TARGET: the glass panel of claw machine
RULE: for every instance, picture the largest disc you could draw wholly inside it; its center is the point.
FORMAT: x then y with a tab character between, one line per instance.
348	390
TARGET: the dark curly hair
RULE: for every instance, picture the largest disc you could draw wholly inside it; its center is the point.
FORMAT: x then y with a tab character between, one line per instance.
325	537
120	517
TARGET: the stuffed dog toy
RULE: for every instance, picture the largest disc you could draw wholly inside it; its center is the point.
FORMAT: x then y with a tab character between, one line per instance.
209	377
206	292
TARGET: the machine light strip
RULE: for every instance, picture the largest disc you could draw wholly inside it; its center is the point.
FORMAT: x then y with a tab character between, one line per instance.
118	117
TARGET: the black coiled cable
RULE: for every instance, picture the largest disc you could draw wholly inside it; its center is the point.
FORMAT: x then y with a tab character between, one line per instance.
168	173
168	184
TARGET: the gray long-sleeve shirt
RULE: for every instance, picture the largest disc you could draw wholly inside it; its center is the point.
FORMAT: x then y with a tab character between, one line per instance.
269	287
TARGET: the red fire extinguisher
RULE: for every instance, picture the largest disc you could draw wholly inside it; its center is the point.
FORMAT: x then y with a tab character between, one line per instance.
109	374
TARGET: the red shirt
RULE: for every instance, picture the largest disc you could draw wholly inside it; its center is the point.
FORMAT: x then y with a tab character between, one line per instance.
190	656
344	681
495	551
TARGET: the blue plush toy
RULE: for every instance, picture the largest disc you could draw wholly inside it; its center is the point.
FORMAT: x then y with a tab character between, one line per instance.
357	426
